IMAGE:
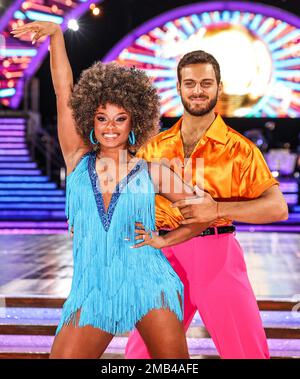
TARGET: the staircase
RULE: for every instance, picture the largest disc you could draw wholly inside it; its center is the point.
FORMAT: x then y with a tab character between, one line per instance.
29	202
27	328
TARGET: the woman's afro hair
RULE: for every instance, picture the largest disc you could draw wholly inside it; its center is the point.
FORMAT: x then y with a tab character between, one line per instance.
112	83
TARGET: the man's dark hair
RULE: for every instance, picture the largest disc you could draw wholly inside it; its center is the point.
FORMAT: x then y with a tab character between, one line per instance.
199	56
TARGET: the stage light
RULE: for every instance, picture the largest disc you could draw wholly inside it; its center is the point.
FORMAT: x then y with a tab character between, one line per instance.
96	11
25	5
18	52
19	15
275	174
38	16
7	92
73	25
92	6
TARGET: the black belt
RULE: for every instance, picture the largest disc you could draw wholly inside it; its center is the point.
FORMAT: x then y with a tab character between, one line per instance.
207	232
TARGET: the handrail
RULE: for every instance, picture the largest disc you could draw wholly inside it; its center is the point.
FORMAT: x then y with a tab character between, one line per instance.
41	141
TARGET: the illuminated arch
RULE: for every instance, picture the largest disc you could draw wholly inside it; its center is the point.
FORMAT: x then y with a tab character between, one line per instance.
274	33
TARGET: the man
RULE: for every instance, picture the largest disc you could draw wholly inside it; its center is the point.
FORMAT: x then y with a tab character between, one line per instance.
237	186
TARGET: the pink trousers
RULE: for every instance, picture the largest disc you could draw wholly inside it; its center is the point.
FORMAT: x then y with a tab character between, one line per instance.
216	283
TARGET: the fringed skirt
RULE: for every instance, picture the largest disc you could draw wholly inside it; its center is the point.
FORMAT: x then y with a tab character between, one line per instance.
116	297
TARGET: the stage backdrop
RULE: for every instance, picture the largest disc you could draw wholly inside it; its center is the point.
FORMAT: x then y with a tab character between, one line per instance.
258	48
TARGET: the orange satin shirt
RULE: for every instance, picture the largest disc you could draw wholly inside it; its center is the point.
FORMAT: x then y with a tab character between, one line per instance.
230	168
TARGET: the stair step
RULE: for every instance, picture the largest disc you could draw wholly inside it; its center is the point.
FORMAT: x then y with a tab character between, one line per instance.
31	315
197	346
12	127
13	139
276	304
18	165
13	120
41	193
279	348
44	231
14	152
15	145
34	224
43	321
31	215
270	318
12	133
23	178
14	159
268	228
200	332
19	186
17	172
36	355
32	206
289	187
28	199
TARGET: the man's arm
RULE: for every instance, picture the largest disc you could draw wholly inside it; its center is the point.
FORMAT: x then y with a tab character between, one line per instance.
171	186
269	207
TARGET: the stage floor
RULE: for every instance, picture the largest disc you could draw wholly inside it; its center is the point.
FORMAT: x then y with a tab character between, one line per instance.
41	265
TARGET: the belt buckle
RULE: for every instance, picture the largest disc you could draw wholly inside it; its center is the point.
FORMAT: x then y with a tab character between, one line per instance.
208	232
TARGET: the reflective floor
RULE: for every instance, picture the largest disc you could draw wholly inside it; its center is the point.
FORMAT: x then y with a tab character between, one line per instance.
42	264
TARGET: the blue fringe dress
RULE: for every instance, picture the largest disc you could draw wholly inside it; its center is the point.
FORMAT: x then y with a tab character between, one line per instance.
114	285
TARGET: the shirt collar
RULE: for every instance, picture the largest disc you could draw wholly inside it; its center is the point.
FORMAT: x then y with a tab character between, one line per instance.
217	130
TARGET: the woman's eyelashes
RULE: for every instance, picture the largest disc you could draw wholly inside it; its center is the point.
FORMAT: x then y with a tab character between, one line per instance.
122	119
118	120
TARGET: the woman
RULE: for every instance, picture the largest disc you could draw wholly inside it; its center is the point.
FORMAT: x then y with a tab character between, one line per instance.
116	286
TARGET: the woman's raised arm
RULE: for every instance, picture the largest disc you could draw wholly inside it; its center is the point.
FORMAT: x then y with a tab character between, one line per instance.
71	143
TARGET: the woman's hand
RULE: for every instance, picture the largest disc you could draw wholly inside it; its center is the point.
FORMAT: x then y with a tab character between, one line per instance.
71	229
147	237
38	29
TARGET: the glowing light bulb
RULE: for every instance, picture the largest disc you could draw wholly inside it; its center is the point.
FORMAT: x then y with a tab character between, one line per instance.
73	25
96	11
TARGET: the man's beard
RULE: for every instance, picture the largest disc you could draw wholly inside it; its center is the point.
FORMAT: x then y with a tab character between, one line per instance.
200	111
